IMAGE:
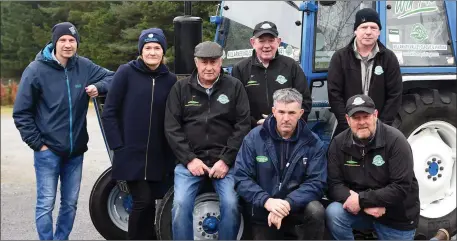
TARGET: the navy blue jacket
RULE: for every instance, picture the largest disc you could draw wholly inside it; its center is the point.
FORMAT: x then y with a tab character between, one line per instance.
257	168
133	118
51	104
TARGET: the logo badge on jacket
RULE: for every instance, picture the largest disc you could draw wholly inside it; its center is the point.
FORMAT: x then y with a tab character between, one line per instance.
378	161
261	158
305	160
281	79
223	99
192	102
252	83
378	70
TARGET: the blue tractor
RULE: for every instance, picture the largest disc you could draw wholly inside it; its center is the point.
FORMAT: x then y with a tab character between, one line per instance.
423	36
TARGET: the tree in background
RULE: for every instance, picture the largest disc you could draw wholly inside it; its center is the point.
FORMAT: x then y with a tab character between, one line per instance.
109	30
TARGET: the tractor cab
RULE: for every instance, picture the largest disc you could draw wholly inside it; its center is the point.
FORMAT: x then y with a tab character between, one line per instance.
422	34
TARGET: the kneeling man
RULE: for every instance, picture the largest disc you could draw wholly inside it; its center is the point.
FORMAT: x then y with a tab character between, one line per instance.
371	177
280	171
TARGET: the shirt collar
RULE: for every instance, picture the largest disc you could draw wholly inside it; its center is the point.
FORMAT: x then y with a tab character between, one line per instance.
374	51
200	83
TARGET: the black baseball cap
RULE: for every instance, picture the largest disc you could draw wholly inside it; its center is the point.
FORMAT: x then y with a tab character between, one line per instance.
265	27
360	103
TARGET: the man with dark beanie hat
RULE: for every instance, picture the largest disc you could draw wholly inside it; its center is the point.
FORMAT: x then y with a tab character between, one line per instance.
50	113
366	15
61	29
365	66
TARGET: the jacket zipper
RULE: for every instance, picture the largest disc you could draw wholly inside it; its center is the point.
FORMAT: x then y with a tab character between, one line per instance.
365	86
71	115
363	163
206	120
290	166
149	130
266	87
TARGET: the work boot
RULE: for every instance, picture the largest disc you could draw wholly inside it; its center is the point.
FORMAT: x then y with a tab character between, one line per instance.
441	234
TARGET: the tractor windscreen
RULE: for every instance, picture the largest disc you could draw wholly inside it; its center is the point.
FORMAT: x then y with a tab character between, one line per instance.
418	33
334	28
240	17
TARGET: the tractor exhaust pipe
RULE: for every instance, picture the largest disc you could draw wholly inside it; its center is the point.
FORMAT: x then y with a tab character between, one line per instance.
188	33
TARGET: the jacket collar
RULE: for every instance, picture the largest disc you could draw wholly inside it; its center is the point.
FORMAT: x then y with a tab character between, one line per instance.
372	54
139	65
255	60
45	55
378	141
192	81
302	132
350	46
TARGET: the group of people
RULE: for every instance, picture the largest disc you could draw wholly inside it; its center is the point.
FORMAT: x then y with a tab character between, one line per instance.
245	132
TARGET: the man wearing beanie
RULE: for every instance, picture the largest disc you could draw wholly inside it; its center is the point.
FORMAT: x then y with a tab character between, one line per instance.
365	66
50	114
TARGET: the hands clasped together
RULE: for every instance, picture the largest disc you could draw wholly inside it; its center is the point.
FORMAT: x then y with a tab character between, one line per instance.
352	206
198	168
278	209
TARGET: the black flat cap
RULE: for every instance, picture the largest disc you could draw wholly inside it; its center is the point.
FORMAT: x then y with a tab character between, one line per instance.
208	49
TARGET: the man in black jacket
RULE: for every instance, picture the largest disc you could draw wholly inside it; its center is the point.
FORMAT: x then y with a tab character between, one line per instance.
267	71
206	119
371	177
365	66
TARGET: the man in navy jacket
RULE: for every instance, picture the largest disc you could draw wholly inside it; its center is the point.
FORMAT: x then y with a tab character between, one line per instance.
281	171
50	113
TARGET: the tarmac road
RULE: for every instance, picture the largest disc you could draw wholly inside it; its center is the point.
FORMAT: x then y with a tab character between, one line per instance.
18	191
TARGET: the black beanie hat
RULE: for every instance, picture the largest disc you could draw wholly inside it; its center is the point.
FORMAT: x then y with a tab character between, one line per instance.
61	29
366	15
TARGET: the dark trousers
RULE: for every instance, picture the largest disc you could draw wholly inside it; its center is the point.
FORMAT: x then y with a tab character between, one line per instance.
308	224
142	217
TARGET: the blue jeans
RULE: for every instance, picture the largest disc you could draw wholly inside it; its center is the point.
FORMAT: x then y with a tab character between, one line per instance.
340	223
186	188
48	168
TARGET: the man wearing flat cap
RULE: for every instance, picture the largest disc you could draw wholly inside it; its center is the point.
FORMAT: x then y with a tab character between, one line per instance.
365	66
267	71
206	119
371	178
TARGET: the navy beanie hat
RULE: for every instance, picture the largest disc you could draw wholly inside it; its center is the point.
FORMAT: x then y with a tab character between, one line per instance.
154	35
367	15
61	29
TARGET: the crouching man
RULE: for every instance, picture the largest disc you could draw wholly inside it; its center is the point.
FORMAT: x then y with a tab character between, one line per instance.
371	177
206	118
280	171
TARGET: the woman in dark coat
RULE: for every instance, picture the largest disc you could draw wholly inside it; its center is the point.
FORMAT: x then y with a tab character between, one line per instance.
133	119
